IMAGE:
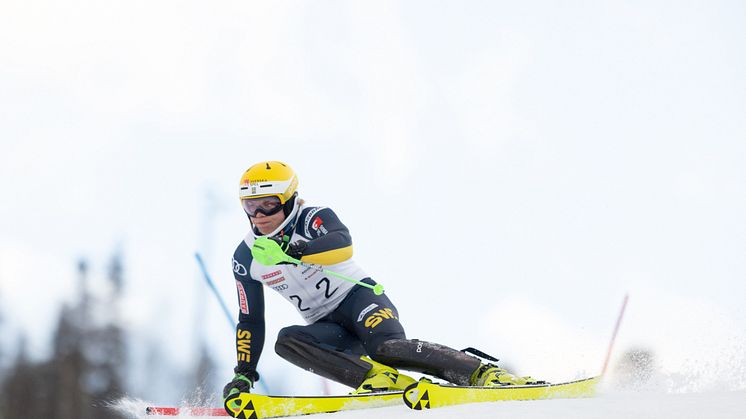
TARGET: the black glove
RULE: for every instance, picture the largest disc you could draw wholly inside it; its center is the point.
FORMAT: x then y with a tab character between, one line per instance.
242	382
294	250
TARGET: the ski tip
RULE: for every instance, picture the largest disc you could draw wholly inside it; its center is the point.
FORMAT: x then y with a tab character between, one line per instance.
161	411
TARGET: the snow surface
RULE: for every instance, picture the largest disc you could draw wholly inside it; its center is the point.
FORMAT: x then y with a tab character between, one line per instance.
612	405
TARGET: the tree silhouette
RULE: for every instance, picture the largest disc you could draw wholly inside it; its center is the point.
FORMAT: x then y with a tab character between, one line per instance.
86	369
25	391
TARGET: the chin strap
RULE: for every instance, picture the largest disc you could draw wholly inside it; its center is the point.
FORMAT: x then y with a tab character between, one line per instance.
289	205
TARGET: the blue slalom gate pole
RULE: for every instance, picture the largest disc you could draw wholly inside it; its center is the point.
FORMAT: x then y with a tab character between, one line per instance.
211	284
227	312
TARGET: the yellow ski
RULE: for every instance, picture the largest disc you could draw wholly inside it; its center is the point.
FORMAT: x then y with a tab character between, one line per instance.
257	406
427	395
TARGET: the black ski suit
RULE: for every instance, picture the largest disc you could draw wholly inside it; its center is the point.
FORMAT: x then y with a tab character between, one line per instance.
345	321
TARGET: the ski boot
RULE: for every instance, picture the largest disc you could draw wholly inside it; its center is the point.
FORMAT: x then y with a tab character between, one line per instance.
489	375
382	378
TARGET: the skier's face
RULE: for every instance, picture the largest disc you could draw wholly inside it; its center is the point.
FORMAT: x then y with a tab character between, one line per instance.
268	223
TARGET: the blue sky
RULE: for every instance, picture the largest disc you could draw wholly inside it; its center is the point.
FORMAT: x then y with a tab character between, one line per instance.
502	167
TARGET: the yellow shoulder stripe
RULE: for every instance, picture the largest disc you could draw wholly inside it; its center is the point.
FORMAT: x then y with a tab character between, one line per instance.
330	257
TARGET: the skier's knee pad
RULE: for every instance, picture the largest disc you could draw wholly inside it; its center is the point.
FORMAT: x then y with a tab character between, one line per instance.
374	343
327	335
288	332
429	358
290	339
341	366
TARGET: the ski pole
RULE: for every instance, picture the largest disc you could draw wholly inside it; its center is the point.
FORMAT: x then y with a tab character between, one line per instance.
267	252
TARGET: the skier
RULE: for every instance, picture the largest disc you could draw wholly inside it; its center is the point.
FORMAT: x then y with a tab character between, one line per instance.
352	336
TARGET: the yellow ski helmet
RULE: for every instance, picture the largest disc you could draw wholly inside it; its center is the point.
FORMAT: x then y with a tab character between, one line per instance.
269	178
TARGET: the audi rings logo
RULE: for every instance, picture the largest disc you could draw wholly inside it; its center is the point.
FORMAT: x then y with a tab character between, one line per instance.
238	268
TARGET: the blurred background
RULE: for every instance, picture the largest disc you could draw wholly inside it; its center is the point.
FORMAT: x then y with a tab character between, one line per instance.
508	170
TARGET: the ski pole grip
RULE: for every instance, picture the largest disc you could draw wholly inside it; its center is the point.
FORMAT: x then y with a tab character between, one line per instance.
267	252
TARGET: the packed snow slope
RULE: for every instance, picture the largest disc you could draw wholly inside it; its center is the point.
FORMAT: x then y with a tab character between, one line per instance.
618	406
720	405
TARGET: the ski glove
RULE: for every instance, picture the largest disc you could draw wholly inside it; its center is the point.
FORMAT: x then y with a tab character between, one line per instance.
294	250
240	384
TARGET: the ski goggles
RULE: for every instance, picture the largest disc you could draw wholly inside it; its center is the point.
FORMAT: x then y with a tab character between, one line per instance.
267	205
